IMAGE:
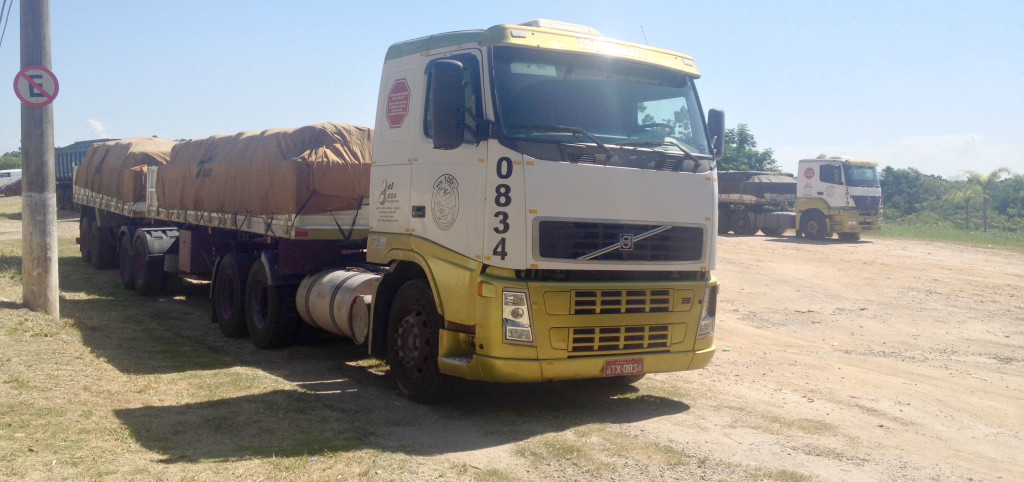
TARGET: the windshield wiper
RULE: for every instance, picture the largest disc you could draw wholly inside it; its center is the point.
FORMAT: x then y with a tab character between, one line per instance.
575	131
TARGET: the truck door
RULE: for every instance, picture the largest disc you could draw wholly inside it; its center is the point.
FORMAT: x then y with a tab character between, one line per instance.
448	184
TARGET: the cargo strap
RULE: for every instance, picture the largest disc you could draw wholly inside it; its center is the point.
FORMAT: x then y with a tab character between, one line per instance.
352	227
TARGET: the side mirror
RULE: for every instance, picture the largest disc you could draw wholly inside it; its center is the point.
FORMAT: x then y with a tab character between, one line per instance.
447	104
716	128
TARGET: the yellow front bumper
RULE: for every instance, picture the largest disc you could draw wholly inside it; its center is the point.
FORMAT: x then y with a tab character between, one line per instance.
489	369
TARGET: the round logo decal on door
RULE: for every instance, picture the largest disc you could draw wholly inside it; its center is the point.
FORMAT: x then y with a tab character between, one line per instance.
444	204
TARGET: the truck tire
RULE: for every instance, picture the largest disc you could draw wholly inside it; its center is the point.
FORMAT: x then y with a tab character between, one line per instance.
743	223
413	338
849	237
723	220
270	314
125	269
84	234
103	252
228	295
148	274
814	225
773	232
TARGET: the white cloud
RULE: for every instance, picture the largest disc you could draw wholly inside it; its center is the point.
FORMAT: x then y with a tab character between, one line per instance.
949	156
97	127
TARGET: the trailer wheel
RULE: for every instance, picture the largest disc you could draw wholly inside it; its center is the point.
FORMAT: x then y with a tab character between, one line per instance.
228	300
723	220
742	223
148	274
773	232
270	314
814	225
124	262
849	237
413	338
103	252
84	233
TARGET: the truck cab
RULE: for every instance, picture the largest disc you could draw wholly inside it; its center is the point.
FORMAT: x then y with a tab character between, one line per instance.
838	195
545	200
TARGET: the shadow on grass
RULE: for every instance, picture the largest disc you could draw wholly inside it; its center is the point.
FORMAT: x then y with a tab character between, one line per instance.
293	424
123	328
340	405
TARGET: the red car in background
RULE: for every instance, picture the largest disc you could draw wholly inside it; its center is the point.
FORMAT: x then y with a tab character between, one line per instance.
12	189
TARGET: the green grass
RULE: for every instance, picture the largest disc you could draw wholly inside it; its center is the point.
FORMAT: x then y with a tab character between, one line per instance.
991	239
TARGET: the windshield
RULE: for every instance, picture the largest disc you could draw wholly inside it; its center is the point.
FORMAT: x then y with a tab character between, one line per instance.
616	101
860	176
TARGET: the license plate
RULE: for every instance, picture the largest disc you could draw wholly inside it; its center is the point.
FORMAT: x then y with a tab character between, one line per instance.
620	368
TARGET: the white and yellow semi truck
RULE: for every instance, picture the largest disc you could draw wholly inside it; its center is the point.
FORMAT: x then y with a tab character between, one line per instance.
829	195
542	207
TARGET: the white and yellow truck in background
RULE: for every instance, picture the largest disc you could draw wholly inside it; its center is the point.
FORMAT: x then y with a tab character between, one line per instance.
542	207
828	195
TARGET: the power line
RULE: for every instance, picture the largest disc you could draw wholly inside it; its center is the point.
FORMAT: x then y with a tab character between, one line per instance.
6	18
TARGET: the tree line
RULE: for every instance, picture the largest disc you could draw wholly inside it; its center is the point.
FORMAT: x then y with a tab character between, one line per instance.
978	202
11	160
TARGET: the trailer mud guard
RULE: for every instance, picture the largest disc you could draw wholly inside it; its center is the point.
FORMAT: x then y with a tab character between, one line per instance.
276	278
160	241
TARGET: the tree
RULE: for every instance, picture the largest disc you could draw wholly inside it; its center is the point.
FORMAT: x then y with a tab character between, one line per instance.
11	160
987	184
741	152
905	191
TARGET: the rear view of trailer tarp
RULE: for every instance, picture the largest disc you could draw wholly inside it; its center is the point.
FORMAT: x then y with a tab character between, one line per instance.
117	169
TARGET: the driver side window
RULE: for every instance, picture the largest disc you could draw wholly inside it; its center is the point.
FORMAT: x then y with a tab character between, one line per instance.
831	174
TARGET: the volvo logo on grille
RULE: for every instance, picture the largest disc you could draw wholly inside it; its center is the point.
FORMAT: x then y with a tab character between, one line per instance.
626	242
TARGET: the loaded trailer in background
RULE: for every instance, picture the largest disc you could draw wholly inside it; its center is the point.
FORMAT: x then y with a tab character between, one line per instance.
66	160
831	195
536	202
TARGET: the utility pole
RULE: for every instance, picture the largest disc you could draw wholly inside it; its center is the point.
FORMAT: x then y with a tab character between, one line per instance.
40	287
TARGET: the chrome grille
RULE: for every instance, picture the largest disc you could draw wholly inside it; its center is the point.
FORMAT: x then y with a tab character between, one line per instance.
615	302
571	240
868	203
612	339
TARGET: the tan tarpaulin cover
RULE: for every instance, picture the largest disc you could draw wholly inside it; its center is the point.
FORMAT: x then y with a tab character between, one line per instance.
317	168
118	168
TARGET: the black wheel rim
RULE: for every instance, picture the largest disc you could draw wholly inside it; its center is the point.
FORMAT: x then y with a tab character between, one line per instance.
412	343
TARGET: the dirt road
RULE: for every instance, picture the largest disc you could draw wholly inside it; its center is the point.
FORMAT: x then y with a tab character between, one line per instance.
878	360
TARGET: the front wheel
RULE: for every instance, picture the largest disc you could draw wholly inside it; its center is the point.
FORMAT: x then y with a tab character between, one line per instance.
413	338
814	225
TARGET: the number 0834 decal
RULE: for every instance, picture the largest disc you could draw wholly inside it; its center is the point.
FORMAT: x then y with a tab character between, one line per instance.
502	199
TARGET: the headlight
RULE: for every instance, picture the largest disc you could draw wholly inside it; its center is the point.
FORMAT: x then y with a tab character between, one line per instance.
515	317
706	327
851	222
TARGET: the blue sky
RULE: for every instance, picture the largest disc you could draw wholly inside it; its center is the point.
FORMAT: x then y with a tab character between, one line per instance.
934	85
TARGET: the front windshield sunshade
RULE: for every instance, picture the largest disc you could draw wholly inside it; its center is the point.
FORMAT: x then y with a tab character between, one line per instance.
618	102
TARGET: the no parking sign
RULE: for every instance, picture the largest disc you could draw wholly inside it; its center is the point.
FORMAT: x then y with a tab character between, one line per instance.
36	86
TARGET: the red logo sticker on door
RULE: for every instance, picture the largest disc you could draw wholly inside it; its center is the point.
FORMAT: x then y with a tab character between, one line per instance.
398	103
